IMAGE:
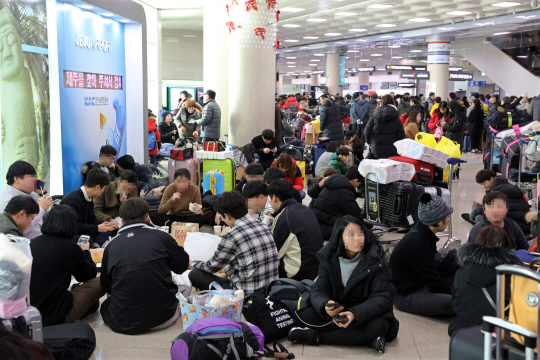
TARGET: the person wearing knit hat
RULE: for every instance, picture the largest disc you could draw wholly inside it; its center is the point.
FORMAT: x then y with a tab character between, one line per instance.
168	129
423	281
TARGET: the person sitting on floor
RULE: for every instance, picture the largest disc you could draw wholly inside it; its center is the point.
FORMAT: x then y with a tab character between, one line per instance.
266	148
518	205
495	205
474	290
105	162
256	195
56	258
324	159
338	161
247	252
80	200
176	199
254	171
296	233
423	285
337	199
107	205
354	274
273	174
18	215
355	146
292	172
484	178
136	272
318	185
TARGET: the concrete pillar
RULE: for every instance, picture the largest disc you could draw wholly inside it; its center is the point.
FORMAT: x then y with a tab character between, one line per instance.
279	84
252	64
438	61
363	77
332	73
216	56
315	79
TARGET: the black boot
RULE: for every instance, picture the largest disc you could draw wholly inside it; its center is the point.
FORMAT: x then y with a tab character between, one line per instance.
378	344
307	336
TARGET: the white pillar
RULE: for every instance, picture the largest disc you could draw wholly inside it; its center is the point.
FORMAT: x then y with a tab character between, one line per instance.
363	77
332	74
252	64
216	56
438	61
279	84
315	79
153	56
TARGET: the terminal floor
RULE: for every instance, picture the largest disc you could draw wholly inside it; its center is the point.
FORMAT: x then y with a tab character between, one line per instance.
419	337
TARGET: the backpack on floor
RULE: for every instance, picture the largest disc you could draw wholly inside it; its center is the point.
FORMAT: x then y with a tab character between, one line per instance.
219	339
75	341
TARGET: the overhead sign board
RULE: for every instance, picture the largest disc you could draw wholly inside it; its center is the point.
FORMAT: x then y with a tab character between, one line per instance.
406	85
477	83
364	87
438	59
406	67
366	69
455	68
415	75
460	76
317	72
438	47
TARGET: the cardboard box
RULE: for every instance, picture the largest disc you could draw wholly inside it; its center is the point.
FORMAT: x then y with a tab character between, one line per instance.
214	155
179	231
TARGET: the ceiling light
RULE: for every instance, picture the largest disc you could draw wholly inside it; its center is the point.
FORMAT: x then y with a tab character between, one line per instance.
397	57
416	51
291	66
291	25
346	57
186	36
311	37
381	69
357	30
288	51
420	20
424	61
501	33
522	56
172	40
361	40
353	51
459	13
525	17
312	64
304	47
291	62
314	60
126	21
506	4
380	6
318	54
478	24
316	20
386	37
363	60
87	7
341	42
291	40
376	54
291	57
332	34
394	46
386	25
291	9
346	13
108	14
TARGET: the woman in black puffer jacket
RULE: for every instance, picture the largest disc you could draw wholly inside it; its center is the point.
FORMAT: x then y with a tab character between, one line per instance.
331	119
456	126
383	130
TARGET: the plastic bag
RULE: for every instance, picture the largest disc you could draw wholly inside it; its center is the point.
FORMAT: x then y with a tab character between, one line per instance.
426	139
201	246
449	147
439	133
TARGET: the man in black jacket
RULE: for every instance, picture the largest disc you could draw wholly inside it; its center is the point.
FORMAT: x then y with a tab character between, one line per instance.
107	153
266	148
296	233
331	118
80	200
136	272
422	277
518	206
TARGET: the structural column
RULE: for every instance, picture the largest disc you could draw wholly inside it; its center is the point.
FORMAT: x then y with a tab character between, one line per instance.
332	74
438	61
363	77
216	56
252	64
279	84
315	78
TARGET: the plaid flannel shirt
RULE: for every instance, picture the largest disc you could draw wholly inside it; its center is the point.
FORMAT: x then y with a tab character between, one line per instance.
250	253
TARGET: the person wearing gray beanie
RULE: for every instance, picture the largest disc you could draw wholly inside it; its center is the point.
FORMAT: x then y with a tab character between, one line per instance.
422	282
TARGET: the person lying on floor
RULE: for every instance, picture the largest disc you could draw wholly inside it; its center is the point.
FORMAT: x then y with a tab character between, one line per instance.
354	274
474	290
423	276
496	209
136	272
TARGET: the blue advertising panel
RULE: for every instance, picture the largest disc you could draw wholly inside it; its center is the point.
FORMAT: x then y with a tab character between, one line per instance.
481	83
342	60
364	87
91	59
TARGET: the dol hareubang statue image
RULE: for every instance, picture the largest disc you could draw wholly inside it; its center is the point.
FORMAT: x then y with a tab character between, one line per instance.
24	90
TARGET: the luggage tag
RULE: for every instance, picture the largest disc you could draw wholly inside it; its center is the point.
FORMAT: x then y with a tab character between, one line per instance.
410	219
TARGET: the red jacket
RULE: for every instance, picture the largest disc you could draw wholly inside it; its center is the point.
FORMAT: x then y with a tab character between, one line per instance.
436	120
153	127
291	101
404	117
298	181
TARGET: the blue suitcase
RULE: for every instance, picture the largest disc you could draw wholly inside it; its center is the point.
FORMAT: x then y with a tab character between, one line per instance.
318	152
227	166
214	180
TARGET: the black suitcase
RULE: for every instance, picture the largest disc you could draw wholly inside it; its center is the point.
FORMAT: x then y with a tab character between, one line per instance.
506	119
296	152
510	153
75	341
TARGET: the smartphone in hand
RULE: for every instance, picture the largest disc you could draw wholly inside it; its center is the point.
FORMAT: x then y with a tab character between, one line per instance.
333	305
83	239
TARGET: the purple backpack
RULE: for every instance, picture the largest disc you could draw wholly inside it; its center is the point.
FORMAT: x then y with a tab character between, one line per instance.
220	339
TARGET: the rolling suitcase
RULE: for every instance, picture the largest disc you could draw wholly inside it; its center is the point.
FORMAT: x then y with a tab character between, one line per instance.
227	166
318	151
296	152
425	172
444	194
467	144
193	165
510	153
214	181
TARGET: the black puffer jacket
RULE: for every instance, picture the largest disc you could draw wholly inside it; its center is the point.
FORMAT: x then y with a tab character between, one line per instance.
456	125
168	136
338	198
477	270
331	120
518	207
369	293
382	131
475	121
372	106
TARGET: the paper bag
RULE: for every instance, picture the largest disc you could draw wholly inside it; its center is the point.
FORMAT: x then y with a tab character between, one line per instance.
179	231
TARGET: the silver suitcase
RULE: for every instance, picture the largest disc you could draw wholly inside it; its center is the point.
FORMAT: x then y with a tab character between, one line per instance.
444	194
28	324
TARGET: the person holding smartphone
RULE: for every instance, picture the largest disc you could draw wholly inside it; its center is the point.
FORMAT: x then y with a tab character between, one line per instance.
352	299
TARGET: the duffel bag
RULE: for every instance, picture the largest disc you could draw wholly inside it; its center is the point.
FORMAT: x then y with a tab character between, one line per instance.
294	294
75	341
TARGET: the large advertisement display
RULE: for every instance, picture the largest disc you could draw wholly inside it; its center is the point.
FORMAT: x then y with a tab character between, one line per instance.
24	85
92	88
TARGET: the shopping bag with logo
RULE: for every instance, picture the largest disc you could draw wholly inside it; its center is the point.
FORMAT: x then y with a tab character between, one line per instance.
179	231
193	312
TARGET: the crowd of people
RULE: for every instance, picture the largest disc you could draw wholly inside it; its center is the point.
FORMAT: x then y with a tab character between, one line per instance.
272	233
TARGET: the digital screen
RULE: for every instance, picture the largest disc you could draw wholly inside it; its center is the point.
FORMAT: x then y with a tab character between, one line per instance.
85	80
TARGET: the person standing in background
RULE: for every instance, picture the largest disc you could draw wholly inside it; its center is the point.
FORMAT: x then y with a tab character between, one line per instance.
211	118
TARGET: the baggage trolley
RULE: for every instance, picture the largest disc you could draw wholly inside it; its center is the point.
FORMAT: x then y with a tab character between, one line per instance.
527	188
452	162
493	142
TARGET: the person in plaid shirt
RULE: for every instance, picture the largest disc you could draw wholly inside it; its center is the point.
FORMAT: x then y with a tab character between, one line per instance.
247	252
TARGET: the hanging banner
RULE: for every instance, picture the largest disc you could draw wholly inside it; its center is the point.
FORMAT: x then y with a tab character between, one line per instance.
406	67
438	59
438	47
342	61
460	76
415	75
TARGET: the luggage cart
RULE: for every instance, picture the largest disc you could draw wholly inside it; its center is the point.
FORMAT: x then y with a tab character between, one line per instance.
527	188
494	139
452	162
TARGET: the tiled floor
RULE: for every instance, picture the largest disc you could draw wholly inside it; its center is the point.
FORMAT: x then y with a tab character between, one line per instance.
419	337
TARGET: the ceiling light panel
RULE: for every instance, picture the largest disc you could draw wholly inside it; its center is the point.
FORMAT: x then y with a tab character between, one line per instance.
506	4
420	20
291	9
316	20
357	30
291	25
311	37
380	6
458	13
386	25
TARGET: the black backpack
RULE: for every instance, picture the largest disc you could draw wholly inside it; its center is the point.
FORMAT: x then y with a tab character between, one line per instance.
75	341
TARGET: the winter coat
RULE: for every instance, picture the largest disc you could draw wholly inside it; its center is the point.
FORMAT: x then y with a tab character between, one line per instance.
534	109
404	107
298	180
331	120
210	120
456	125
312	101
292	104
260	145
368	293
107	205
436	120
372	106
477	271
8	226
337	164
304	105
475	121
382	131
411	130
413	262
361	111
519	241
278	125
152	127
420	109
168	136
427	107
184	117
518	207
337	199
493	110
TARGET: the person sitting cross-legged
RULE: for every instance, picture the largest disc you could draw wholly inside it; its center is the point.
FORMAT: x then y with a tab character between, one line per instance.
136	272
18	215
256	195
107	205
296	233
247	252
254	171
